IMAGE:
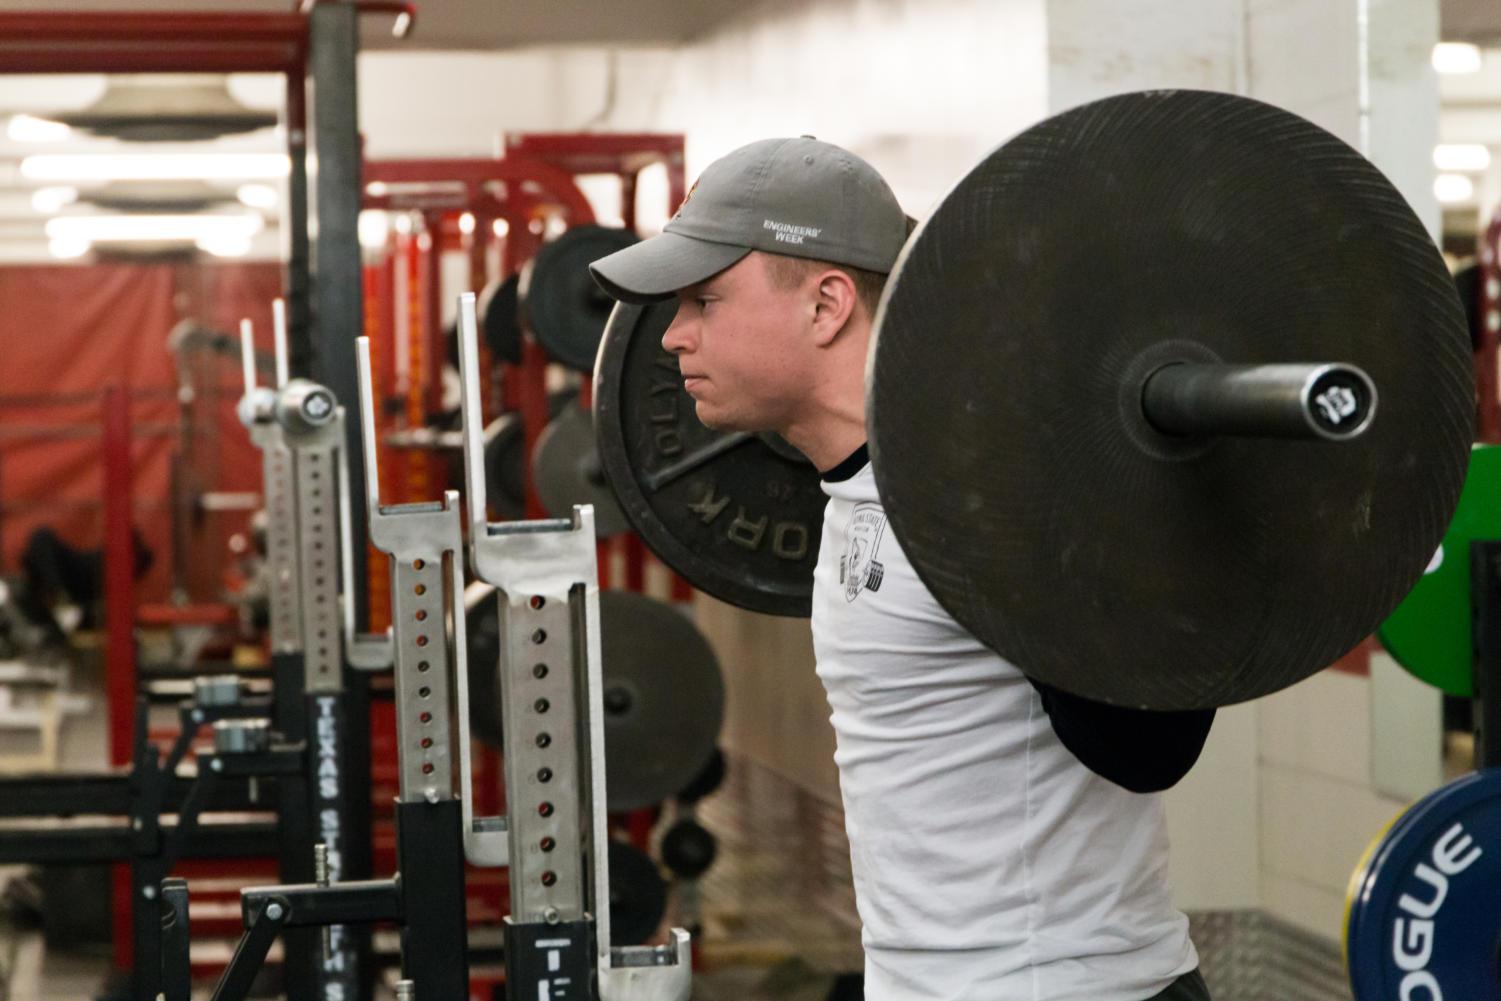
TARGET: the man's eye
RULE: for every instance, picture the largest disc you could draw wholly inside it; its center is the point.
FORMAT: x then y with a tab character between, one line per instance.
702	302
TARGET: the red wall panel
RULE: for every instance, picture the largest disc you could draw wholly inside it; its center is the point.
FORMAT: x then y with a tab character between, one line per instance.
66	332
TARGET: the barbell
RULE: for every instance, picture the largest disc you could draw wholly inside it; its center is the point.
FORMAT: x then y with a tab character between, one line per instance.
1169	403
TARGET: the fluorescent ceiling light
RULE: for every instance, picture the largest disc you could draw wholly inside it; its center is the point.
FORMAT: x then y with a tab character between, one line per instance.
154	166
1456	57
375	229
228	246
257	196
500	228
466	223
49	200
66	249
30	129
154	228
1461	156
1450	188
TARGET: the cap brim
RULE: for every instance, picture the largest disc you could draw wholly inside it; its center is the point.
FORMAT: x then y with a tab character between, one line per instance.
654	269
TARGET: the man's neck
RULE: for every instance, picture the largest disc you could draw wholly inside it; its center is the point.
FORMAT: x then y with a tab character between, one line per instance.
830	424
830	437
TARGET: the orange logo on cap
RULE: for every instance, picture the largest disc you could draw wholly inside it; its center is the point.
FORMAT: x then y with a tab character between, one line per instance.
684	203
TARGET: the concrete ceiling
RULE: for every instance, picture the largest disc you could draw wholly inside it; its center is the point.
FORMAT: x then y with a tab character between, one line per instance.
1471	104
501	24
476	24
1477	21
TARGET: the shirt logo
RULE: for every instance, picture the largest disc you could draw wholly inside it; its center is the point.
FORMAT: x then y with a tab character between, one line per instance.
858	567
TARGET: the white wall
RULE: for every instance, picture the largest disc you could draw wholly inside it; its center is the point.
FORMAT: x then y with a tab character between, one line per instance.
1095	49
922	88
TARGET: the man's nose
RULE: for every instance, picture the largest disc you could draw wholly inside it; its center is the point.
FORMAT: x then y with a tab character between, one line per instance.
677	338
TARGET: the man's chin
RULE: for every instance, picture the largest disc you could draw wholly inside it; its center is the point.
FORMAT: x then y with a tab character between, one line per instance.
707	417
716	421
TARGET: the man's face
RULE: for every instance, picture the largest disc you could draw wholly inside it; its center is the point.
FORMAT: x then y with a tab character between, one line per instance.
744	348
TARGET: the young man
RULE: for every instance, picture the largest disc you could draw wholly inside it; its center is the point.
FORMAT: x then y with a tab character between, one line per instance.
1004	839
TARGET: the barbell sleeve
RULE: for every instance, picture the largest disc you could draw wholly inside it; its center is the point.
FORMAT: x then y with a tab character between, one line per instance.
1334	402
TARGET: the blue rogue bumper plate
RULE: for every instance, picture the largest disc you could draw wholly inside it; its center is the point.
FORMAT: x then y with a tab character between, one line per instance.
1424	915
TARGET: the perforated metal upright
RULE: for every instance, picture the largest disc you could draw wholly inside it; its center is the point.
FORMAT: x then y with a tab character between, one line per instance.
558	943
337	320
299	428
435	826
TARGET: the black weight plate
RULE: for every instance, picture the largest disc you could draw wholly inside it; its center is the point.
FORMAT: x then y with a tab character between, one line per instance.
505	459
567	471
688	849
565	309
707	781
1469	283
505	468
482	647
663	699
638	895
500	321
1004	399
663	693
733	515
1423	919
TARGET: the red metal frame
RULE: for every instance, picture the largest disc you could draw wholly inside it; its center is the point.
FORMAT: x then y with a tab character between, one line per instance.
1488	357
119	575
108	42
119	620
480	175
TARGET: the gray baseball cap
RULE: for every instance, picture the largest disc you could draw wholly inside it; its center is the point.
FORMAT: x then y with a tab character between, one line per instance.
797	197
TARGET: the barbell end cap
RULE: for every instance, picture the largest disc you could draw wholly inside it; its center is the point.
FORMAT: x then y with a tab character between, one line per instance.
1339	401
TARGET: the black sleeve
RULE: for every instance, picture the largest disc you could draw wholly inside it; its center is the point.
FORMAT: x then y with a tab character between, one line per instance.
1141	750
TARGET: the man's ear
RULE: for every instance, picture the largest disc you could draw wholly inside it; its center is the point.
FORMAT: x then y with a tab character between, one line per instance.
834	302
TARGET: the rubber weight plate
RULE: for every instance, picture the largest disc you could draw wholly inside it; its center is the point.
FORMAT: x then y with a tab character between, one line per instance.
1430	632
737	515
567	471
638	895
565	309
499	318
1007	435
689	849
663	693
1425	921
505	458
505	467
707	781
